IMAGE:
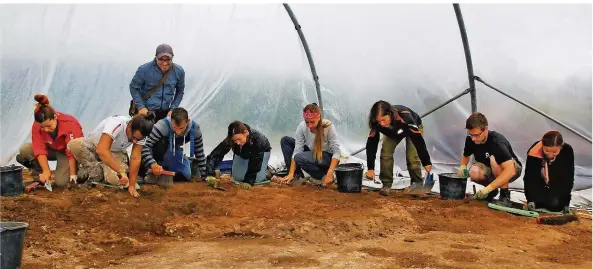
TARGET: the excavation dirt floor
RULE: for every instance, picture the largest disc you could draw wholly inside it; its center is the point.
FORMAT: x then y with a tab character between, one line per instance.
194	226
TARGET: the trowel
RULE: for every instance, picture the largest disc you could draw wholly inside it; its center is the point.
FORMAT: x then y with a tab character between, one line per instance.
426	187
47	185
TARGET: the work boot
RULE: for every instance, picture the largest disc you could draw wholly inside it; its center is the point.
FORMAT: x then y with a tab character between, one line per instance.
385	191
491	195
415	187
505	198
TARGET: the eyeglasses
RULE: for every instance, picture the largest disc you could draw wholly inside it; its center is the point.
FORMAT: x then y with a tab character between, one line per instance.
476	135
165	59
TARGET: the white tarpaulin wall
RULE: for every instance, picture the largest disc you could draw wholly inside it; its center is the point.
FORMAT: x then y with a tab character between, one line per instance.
246	62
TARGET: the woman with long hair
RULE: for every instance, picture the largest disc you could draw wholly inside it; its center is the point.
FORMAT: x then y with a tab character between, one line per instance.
314	149
396	122
251	154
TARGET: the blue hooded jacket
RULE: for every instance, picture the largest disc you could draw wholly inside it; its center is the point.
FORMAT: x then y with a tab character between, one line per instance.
166	98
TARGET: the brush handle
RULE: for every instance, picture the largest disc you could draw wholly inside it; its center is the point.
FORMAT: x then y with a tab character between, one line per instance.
166	173
556	220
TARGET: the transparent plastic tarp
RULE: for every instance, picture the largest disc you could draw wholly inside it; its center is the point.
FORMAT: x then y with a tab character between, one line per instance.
246	62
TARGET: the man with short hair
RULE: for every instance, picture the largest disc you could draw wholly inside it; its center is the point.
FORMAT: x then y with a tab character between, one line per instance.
164	150
157	85
496	164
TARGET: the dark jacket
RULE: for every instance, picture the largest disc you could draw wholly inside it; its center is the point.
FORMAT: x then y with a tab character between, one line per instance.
409	124
253	150
168	97
555	194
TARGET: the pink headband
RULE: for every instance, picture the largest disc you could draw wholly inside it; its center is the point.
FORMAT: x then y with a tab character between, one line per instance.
309	116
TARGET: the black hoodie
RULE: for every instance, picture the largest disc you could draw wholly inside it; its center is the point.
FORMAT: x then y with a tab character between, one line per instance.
253	150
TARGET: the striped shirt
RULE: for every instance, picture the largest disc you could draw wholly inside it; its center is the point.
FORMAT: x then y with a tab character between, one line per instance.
160	131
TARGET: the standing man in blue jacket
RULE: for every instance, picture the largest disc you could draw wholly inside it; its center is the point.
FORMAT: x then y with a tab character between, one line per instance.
157	85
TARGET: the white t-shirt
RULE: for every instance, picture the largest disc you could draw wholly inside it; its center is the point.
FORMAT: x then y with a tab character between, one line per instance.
115	127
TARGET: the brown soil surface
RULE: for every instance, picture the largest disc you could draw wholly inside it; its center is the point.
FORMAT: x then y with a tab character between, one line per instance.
194	226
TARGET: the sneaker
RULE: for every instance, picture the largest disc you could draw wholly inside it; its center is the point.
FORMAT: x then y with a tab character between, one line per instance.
298	180
315	182
140	180
385	191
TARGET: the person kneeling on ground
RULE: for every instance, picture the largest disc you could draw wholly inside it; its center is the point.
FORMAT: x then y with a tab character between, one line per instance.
164	149
251	155
312	133
102	155
549	173
50	135
496	163
396	122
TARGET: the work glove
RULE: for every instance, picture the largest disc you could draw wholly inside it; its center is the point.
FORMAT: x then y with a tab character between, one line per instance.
74	178
211	181
463	171
245	186
482	194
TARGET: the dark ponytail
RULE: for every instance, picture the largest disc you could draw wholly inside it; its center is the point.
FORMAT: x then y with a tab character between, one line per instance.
236	127
143	123
552	139
380	108
43	111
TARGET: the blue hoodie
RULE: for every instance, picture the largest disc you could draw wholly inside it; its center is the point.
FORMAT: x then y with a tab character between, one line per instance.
166	98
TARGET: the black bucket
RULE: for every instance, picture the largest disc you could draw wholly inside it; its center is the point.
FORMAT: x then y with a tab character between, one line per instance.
452	186
349	177
11	180
11	246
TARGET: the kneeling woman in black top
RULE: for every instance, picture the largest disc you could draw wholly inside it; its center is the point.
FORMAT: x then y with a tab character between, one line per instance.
549	173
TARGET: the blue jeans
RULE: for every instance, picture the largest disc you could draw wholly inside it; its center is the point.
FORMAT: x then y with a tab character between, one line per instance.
240	168
305	160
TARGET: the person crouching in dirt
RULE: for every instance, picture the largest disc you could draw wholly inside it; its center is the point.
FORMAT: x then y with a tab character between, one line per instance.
251	154
164	149
396	122
496	164
315	149
50	135
102	155
549	173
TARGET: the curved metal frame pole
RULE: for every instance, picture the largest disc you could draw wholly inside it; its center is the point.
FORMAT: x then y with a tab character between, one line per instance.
536	110
468	57
297	26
